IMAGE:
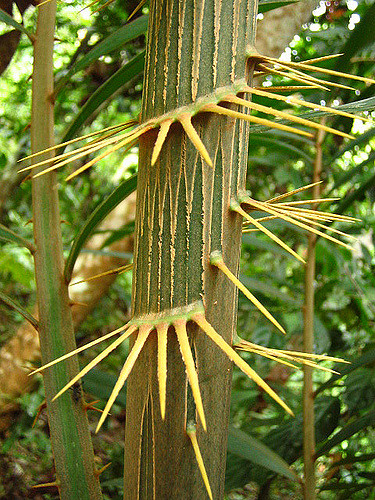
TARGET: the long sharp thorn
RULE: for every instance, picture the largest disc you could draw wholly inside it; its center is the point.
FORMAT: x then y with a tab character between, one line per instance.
315	356
266	231
187	356
295	191
143	333
101	142
305	202
281	213
214	108
322	58
101	156
300	102
286	88
80	349
287	66
275	355
185	120
295	77
288	116
96	360
163	131
77	154
192	433
326	71
309	220
118	270
218	261
201	321
121	126
265	355
162	330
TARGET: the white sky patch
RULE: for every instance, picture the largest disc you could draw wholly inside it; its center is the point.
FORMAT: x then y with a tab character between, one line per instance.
129	160
354	19
320	10
81	33
286	55
315	27
352	4
359	127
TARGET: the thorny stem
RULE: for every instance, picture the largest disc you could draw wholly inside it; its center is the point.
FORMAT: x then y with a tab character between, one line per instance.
182	216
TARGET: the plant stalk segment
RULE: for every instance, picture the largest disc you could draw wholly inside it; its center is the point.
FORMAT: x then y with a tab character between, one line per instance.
70	436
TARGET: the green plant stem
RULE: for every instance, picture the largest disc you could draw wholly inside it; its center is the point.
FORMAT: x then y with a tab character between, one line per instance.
308	341
71	442
183	214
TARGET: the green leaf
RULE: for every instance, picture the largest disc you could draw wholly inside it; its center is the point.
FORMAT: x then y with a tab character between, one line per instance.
348	431
114	41
13	305
354	459
268	290
249	448
367	358
7	19
118	234
355	195
8	235
356	107
100	212
266	5
291	150
100	385
362	36
263	244
362	139
349	175
348	488
120	78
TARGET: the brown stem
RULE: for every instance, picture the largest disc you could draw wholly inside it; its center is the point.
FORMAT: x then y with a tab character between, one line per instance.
308	341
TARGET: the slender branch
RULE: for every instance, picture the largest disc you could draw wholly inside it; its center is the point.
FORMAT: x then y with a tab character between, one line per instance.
308	340
71	442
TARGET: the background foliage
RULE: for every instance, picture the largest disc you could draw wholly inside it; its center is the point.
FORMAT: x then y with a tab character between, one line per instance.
99	61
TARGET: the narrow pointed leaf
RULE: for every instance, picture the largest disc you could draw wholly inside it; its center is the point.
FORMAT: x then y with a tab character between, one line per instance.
13	305
7	19
8	235
365	359
112	42
100	212
130	70
266	5
347	432
249	448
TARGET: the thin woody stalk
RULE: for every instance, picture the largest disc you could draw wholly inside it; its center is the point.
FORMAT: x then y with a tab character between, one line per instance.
183	215
71	442
308	340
